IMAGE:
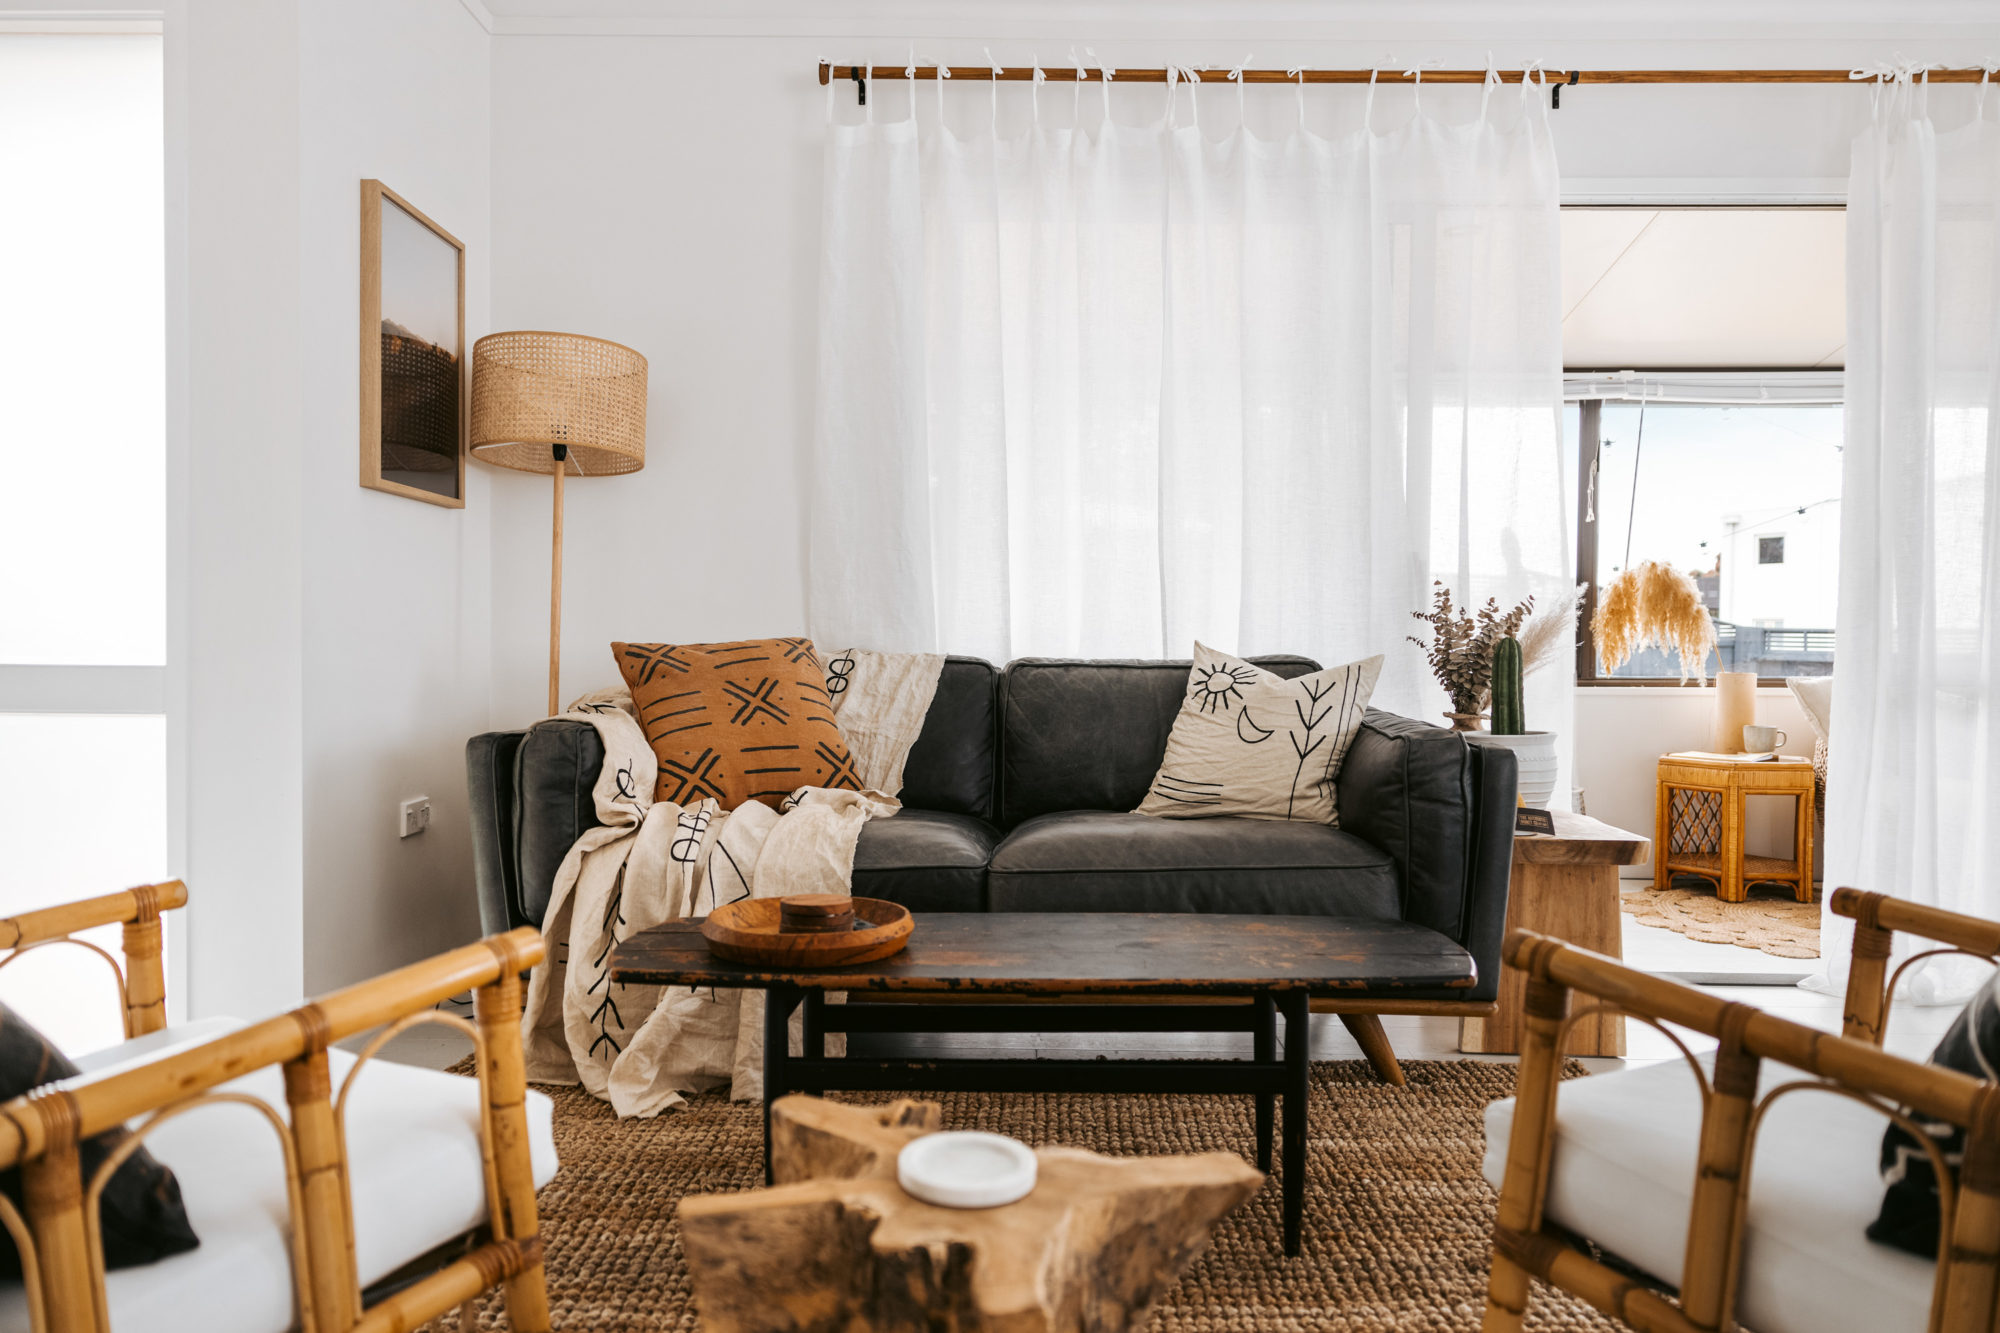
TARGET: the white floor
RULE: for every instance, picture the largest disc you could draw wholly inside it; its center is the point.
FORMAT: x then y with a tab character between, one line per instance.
1913	1030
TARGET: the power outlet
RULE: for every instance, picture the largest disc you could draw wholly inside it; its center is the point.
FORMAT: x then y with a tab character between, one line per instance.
413	816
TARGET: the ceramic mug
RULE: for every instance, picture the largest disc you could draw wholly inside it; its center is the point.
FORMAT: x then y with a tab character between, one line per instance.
1762	740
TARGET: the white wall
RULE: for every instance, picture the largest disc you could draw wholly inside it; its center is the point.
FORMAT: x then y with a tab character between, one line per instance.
331	657
396	628
235	469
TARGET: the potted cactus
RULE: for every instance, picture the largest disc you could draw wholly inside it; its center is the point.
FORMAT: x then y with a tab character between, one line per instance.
1534	751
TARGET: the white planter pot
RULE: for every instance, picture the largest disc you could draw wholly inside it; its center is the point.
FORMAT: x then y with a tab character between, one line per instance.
1534	757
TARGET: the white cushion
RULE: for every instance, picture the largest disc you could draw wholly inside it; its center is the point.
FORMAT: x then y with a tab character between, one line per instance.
414	1169
1815	696
1249	742
1623	1175
167	1041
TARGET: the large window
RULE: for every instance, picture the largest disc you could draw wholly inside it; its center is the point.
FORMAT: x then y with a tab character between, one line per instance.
1743	499
1702	350
83	769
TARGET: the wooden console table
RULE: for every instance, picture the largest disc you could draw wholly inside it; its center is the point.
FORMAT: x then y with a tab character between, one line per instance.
1564	885
1701	816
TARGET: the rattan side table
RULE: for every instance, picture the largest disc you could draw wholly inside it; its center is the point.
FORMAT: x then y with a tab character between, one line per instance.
1700	815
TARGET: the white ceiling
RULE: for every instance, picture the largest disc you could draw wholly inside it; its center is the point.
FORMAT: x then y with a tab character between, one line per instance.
1711	288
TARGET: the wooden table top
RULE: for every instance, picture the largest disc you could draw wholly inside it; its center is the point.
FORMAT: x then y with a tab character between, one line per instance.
1052	953
1581	840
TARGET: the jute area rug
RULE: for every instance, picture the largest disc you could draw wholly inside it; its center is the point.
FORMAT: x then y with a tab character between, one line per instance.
1397	1213
1772	921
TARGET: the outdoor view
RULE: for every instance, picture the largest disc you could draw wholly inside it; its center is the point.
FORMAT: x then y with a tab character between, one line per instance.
1746	500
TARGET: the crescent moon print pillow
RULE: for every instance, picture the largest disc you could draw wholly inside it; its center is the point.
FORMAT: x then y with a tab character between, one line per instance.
1247	742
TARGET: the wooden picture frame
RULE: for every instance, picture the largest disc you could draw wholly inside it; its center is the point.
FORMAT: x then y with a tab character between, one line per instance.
414	407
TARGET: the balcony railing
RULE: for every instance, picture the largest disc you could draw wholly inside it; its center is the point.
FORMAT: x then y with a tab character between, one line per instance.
1768	652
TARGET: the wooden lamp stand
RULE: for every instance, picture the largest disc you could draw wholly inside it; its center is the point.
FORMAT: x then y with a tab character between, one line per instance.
558	403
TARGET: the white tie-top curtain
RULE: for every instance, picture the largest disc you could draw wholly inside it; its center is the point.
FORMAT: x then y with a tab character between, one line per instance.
1913	783
1104	391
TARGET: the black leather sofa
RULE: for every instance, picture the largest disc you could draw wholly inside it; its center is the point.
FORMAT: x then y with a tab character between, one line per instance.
1017	797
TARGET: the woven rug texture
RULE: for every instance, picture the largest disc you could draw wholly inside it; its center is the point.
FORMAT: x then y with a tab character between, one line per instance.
1772	921
1397	1213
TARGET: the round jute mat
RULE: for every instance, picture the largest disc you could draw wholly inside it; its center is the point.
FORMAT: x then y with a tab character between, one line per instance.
1397	1213
1772	920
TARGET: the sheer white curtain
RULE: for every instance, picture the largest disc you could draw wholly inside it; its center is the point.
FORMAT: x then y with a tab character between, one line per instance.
1913	787
1105	390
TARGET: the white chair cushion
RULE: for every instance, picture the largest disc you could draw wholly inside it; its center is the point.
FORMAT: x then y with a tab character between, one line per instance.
414	1169
1623	1175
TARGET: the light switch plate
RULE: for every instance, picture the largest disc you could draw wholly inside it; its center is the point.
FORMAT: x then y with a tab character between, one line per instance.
413	816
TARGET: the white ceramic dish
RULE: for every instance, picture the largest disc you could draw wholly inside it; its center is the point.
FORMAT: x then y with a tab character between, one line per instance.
965	1169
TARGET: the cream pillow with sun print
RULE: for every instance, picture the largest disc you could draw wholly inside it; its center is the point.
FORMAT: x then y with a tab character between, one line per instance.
1247	742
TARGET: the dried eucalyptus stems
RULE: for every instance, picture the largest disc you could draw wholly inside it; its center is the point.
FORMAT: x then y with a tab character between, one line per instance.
1460	652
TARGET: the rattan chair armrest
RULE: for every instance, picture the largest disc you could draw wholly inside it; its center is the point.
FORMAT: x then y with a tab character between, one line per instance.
54	923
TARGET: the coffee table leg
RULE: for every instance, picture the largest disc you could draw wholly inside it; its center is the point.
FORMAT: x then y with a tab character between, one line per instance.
1265	1052
1298	1084
815	1033
779	1002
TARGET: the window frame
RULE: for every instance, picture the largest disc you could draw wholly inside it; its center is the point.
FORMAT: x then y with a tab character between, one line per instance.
1590	435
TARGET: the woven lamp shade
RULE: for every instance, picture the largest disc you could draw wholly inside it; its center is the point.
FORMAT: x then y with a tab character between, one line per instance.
531	390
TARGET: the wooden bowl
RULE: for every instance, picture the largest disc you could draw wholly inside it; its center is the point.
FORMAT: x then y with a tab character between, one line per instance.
750	931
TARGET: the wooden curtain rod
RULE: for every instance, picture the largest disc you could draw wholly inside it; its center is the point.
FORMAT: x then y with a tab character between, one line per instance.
1565	78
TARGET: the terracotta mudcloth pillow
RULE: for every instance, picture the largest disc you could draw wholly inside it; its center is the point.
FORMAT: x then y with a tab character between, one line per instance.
140	1214
736	721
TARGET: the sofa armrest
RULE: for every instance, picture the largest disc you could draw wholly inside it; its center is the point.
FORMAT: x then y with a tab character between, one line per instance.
1495	783
489	772
531	800
1444	812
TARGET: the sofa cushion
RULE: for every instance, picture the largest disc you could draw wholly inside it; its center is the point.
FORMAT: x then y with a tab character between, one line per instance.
1090	735
951	764
414	1170
1624	1172
927	860
1250	742
1116	861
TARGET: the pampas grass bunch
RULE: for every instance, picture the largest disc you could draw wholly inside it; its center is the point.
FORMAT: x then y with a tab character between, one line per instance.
1653	605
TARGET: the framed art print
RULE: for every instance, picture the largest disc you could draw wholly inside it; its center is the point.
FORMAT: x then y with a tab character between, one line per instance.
413	407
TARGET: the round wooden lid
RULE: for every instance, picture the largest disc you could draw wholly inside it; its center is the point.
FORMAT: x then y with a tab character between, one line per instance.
817	904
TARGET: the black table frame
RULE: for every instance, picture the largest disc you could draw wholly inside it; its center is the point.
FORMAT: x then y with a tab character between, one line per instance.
1265	1076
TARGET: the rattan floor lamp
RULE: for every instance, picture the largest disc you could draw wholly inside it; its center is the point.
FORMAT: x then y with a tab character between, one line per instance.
563	404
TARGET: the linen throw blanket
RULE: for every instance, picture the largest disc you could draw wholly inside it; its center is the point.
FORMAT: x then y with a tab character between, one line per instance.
641	1047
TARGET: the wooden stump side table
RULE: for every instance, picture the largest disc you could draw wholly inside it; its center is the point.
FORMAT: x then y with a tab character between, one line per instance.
837	1244
1564	885
1700	816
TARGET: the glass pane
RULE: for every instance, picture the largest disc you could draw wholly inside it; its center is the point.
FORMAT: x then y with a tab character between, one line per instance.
1745	500
82	352
83	811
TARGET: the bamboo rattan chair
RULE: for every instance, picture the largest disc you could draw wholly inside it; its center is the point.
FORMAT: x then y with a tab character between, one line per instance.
39	1133
1529	1243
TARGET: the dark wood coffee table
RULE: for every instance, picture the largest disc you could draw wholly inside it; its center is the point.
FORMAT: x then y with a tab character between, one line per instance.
1209	965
